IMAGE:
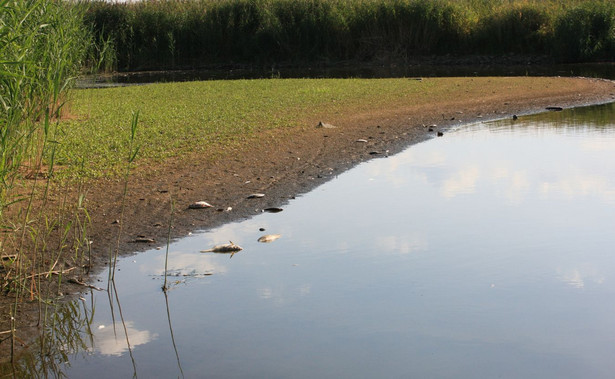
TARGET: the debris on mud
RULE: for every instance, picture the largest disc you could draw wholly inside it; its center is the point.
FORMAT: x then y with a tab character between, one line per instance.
273	210
200	205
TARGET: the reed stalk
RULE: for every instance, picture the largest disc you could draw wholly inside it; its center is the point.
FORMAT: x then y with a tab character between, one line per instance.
133	150
166	255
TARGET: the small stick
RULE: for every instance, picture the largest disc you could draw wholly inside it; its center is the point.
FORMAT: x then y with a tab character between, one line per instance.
76	281
52	267
51	273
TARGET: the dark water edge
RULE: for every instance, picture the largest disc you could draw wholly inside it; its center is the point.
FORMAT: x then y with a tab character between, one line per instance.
487	67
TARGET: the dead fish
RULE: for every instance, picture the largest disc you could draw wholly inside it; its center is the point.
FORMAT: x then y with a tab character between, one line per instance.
273	210
554	109
200	205
226	248
256	196
144	240
269	238
362	140
325	125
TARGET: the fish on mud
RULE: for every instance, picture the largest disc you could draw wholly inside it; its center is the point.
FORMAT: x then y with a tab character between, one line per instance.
269	238
224	249
199	205
325	125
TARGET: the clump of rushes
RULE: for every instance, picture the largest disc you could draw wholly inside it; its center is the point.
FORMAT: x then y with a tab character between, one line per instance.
521	28
43	46
190	33
586	32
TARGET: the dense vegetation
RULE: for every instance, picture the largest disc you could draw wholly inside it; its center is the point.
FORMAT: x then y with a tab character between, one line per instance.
189	33
43	46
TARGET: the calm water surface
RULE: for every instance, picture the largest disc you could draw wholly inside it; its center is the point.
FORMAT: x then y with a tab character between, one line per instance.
486	253
593	70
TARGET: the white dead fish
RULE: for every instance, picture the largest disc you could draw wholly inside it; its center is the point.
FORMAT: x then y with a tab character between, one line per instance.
256	196
269	238
325	125
200	205
226	248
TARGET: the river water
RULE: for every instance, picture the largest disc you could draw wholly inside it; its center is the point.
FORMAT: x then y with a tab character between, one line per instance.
484	253
592	70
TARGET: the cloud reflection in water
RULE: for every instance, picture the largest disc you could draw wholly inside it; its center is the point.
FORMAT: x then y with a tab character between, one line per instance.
111	340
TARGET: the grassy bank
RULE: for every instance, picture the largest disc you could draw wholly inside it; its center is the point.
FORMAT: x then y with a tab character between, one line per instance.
189	33
177	119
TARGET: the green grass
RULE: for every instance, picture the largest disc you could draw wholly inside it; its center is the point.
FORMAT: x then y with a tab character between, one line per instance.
178	118
193	33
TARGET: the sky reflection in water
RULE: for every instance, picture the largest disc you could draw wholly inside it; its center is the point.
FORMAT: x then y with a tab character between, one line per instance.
484	253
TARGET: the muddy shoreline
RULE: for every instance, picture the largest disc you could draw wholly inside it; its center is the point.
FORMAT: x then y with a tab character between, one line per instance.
281	164
286	164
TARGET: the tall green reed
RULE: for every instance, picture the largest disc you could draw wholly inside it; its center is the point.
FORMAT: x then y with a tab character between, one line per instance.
168	34
43	46
586	32
516	28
